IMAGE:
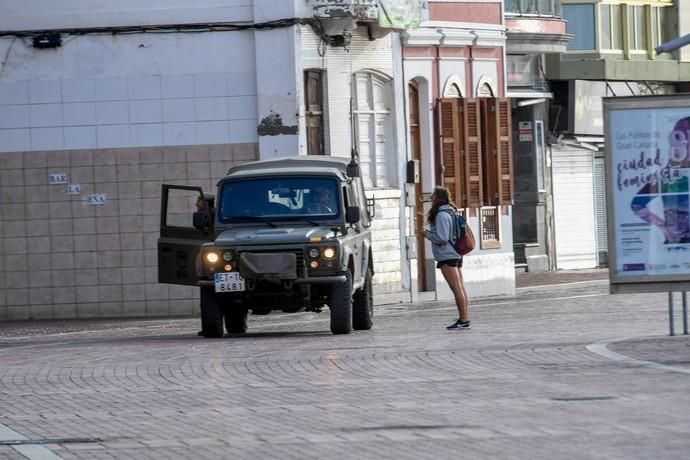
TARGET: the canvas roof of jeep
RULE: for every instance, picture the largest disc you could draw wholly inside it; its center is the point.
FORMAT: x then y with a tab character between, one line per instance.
302	164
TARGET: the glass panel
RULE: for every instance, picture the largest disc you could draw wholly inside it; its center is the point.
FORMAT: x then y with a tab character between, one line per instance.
539	140
512	6
655	26
581	24
605	21
617	31
631	27
667	20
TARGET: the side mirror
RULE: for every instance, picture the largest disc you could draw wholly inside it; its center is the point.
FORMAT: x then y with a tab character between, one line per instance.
352	215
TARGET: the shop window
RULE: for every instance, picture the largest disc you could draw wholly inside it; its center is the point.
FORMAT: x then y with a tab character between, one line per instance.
580	23
374	128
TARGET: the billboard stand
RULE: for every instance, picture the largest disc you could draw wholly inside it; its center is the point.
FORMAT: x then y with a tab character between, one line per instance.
685	313
670	314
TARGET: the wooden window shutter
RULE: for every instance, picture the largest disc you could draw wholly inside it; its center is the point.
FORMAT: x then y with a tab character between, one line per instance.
451	136
504	151
314	111
473	152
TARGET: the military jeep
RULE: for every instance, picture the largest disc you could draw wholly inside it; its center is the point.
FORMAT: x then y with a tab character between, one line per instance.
288	234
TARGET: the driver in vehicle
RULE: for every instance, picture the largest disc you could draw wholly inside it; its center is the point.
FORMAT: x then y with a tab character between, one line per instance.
322	202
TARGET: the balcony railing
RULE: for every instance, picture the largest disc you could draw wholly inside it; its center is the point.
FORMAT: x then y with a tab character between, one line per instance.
533	7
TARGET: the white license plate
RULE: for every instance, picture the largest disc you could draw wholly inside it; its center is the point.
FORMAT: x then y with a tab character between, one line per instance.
228	282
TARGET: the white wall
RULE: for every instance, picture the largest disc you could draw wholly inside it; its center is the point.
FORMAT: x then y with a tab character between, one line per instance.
68	14
100	91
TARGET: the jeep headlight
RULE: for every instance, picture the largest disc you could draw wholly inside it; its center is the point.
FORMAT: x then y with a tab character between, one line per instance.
212	257
313	253
227	256
329	253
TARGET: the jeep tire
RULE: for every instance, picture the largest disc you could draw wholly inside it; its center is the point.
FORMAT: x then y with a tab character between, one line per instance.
340	303
211	314
363	306
236	319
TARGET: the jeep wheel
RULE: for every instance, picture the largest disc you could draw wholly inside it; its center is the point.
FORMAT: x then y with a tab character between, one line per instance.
340	303
236	319
363	306
211	314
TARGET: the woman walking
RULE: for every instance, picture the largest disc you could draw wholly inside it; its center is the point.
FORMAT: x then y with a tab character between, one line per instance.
440	220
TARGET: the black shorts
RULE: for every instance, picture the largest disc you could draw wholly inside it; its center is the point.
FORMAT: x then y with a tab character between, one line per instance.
450	263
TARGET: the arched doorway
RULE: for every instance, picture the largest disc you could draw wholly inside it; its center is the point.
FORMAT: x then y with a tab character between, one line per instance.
416	150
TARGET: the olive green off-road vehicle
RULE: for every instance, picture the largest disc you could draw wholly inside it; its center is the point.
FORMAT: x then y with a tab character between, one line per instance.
289	234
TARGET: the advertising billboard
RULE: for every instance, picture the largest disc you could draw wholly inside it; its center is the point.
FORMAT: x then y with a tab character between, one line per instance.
648	198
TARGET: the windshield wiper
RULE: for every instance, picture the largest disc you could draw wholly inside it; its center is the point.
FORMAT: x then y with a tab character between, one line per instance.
304	219
254	219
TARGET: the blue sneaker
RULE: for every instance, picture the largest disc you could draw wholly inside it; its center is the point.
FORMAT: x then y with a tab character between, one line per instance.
458	325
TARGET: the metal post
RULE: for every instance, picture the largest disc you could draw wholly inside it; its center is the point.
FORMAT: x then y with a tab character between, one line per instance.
685	313
670	313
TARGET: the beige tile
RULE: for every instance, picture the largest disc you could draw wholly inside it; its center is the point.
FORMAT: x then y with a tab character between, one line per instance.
81	175
85	277
151	189
111	309
151	172
13	211
176	154
128	172
40	278
62	243
12	195
40	296
151	239
11	177
81	210
134	308
61	227
111	208
198	171
65	311
12	160
218	170
38	228
14	228
16	313
85	226
62	261
37	262
105	174
60	210
35	160
110	189
85	243
15	245
37	211
88	310
84	260
80	158
182	308
86	294
181	292
151	206
58	193
18	279
150	257
157	308
151	274
245	152
109	259
127	156
109	276
129	190
63	278
64	295
103	157
153	155
108	225
36	194
109	242
133	275
38	244
57	159
16	297
17	262
110	293
41	311
223	152
36	176
133	292
131	224
132	258
130	207
174	172
3	309
131	241
151	223
156	292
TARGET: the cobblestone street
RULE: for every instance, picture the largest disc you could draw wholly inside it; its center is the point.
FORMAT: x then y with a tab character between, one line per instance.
562	371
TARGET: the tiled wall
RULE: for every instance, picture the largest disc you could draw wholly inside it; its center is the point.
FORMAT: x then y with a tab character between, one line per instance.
61	257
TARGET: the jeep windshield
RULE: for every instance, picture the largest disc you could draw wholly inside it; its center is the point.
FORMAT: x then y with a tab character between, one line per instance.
272	199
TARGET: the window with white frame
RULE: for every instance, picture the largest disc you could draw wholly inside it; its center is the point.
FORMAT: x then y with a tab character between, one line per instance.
637	27
373	109
663	25
611	27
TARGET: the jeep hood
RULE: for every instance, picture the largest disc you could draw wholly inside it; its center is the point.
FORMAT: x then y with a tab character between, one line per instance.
280	235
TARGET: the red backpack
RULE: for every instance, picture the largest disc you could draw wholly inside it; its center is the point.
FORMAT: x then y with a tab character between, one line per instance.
461	236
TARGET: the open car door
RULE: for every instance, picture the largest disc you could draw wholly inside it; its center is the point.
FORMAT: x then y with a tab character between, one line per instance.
183	231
